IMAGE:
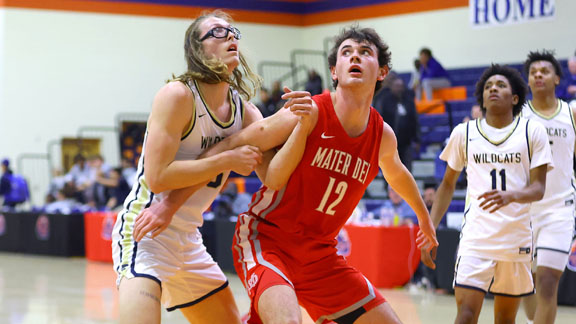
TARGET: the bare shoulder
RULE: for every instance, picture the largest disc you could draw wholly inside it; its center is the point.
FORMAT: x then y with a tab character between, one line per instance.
388	143
173	104
251	113
174	93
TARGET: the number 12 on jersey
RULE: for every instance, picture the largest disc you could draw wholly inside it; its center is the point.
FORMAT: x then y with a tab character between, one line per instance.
502	177
340	191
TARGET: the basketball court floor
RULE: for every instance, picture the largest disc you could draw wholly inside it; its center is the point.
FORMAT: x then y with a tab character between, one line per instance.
53	290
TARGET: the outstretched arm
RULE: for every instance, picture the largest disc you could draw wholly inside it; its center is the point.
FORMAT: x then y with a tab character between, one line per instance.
441	203
403	183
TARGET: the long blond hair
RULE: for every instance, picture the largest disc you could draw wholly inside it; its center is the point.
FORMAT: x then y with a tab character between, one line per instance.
212	70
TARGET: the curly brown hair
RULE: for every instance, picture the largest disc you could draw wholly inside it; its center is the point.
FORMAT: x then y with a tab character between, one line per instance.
360	35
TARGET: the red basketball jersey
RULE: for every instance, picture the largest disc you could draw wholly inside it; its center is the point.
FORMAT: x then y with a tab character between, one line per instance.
327	184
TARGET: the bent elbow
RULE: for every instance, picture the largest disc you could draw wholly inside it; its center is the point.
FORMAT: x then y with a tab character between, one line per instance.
540	195
154	183
275	183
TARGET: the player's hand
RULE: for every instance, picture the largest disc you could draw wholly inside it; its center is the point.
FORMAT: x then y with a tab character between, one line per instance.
245	158
495	199
154	220
426	238
428	257
301	105
299	102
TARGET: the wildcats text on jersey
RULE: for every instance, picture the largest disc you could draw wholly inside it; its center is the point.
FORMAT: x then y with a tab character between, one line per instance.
556	132
208	141
515	157
340	161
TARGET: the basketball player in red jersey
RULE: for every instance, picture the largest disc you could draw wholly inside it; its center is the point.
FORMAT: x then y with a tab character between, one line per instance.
285	246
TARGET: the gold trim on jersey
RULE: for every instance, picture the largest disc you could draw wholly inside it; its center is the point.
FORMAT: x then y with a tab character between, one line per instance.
571	113
212	115
192	122
537	113
481	131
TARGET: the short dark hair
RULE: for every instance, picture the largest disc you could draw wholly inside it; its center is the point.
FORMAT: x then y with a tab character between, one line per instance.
543	55
515	79
360	35
427	51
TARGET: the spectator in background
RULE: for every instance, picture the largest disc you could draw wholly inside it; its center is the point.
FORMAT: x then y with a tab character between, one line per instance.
79	177
117	188
129	171
5	180
396	211
415	76
13	187
397	108
568	92
428	195
314	83
101	179
64	202
432	75
267	106
57	182
276	94
475	113
231	202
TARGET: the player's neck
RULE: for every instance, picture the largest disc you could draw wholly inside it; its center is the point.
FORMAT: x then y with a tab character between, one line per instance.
353	109
499	120
545	102
215	95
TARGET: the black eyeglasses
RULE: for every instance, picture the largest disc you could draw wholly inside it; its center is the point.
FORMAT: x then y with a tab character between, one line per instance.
222	32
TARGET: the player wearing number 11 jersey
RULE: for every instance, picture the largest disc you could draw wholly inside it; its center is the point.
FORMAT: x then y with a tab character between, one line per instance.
506	159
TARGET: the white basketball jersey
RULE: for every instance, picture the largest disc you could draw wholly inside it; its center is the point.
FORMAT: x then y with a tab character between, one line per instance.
562	135
502	164
205	131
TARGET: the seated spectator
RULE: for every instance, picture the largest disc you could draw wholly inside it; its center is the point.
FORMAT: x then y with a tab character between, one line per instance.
117	188
64	202
475	113
96	193
13	187
79	176
276	94
567	91
129	171
395	211
397	108
57	183
267	106
432	75
314	83
415	76
231	203
429	195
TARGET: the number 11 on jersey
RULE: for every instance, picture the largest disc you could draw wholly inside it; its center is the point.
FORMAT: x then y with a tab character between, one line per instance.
502	177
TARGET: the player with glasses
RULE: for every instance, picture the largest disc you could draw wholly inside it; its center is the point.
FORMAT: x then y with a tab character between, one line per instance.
222	32
171	268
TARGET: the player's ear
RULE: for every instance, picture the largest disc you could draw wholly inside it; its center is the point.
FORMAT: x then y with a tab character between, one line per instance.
333	73
383	72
